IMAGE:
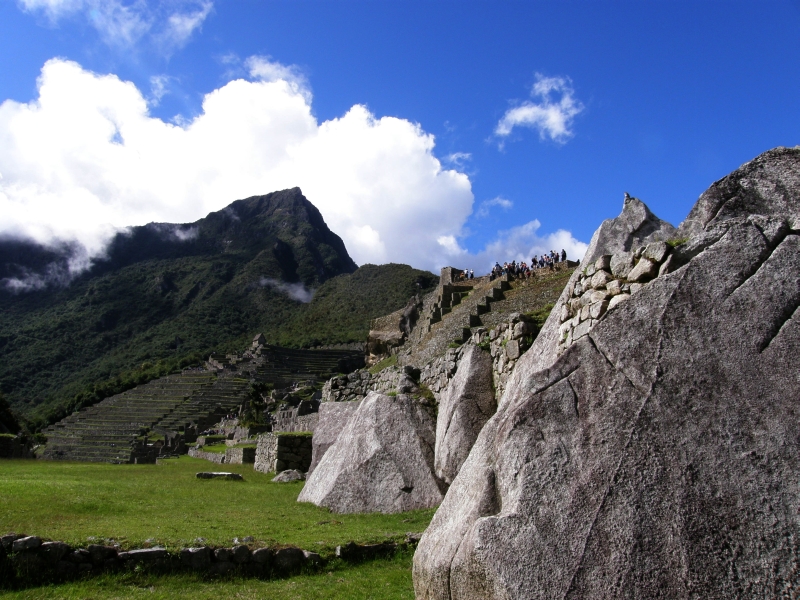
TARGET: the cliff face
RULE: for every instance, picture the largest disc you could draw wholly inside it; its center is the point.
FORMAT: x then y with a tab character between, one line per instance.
658	455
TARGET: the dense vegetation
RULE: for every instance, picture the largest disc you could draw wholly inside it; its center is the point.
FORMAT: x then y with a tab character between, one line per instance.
167	295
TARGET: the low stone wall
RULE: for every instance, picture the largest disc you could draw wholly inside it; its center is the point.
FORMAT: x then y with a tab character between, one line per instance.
355	386
28	560
215	457
276	453
240	456
291	421
507	343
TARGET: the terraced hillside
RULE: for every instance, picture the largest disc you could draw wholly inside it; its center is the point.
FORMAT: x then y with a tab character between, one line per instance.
112	430
452	313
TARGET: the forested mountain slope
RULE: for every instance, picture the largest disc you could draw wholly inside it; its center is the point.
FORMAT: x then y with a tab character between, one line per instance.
167	295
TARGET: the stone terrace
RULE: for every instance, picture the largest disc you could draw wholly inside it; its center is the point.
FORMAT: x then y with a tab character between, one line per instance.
488	303
106	432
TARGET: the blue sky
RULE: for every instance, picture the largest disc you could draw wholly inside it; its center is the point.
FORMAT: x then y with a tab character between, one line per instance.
658	99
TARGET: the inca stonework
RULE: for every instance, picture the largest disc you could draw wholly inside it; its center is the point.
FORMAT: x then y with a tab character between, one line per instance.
657	455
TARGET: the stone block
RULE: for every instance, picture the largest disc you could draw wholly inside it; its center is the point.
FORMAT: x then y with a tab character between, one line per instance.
590	270
240	554
222	554
8	540
196	558
603	262
99	553
581	330
621	264
598	309
599	296
600	279
613	287
635	287
312	559
288	476
645	269
584	314
219	475
618	299
288	560
54	551
656	251
145	554
512	350
262	556
27	543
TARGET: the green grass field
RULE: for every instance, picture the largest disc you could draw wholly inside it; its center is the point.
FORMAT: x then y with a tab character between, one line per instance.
80	503
388	579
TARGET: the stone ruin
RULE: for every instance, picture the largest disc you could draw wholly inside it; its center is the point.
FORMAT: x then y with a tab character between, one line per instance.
656	454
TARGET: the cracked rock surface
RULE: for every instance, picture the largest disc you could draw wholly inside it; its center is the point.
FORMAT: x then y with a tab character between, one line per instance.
659	455
381	461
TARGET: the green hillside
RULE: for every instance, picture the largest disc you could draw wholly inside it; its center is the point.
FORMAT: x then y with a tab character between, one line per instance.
163	300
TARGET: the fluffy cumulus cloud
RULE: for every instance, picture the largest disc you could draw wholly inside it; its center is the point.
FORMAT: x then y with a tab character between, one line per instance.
551	113
86	158
123	24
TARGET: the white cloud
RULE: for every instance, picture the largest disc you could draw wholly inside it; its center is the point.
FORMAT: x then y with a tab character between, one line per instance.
265	69
520	244
552	117
458	159
122	24
486	206
159	87
181	25
86	159
295	291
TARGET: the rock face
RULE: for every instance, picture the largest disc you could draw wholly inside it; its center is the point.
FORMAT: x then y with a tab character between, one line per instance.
333	416
381	462
659	455
635	227
465	407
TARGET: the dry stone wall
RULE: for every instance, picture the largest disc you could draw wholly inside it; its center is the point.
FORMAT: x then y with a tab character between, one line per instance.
355	386
607	282
276	453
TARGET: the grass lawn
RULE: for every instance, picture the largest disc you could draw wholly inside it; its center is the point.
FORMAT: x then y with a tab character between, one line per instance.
168	505
385	579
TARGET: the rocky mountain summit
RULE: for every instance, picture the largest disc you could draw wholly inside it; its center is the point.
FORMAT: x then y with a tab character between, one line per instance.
656	454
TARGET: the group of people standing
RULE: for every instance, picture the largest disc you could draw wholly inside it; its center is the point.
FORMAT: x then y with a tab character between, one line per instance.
522	270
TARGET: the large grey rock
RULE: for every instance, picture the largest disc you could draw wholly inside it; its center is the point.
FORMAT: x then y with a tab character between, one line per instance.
657	457
465	407
635	226
381	462
333	416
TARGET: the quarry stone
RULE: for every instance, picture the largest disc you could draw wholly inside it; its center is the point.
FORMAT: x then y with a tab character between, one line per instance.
333	416
465	408
381	462
657	457
288	476
26	543
219	475
644	269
